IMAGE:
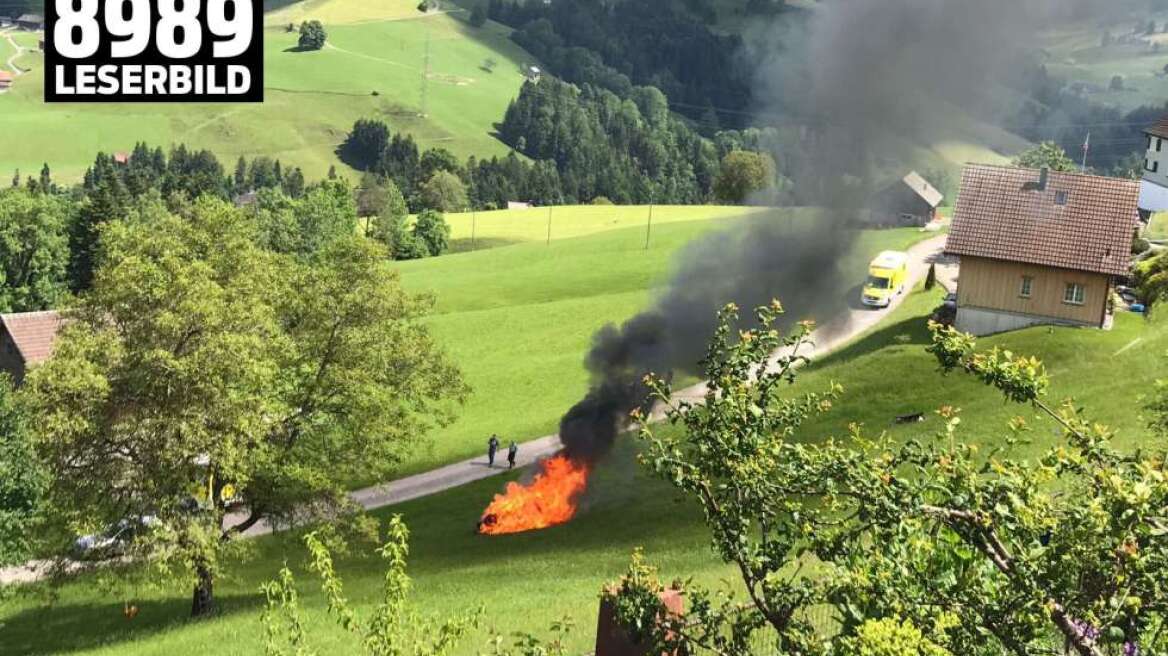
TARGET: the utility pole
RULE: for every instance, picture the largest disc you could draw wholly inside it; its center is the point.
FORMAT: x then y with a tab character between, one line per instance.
649	227
549	237
426	77
1086	149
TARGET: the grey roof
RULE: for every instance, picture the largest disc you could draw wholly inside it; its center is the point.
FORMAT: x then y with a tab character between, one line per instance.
31	18
923	189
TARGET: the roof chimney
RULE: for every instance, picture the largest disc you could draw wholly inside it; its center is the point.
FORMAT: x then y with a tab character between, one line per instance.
1043	177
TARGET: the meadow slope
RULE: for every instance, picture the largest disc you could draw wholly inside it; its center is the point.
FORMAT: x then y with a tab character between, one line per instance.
519	319
369	69
526	581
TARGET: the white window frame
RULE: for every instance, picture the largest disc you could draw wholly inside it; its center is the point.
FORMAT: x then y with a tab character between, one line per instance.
1075	294
1026	289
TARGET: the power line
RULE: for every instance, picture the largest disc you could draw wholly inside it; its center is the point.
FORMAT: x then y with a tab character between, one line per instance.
1011	126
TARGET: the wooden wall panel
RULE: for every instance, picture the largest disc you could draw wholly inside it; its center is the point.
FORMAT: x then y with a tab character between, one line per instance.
996	285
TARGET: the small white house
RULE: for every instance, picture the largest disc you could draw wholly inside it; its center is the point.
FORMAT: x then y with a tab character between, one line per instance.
1154	188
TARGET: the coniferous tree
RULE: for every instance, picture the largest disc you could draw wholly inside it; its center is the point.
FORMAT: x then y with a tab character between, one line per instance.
240	178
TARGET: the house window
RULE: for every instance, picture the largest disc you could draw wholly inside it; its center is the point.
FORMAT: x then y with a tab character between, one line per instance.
1060	198
1149	165
1075	294
1159	144
1026	287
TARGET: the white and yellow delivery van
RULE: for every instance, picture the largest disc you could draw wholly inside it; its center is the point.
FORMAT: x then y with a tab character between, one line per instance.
887	276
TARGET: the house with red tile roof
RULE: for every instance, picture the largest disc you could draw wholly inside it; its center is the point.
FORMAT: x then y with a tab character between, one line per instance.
26	339
1039	247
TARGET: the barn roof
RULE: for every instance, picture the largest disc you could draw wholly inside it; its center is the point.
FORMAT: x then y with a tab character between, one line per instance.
1081	222
922	188
33	333
30	18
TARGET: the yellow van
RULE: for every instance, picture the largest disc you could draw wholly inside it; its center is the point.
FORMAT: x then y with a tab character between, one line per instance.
887	276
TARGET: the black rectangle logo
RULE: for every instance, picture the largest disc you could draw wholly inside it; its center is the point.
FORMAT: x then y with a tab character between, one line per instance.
154	51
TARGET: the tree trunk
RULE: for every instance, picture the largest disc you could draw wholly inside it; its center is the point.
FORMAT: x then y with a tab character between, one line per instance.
203	599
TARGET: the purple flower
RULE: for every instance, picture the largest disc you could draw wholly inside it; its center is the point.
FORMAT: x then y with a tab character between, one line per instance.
1131	649
1085	630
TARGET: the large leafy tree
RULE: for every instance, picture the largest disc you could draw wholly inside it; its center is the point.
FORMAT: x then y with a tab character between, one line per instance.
444	192
312	35
22	479
34	250
988	552
743	174
215	385
302	226
1046	155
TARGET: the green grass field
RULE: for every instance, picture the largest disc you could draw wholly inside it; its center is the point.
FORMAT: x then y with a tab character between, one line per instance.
1077	53
311	98
479	230
519	319
528	580
1157	226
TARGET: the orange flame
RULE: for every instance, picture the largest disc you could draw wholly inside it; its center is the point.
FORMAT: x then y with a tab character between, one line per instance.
551	498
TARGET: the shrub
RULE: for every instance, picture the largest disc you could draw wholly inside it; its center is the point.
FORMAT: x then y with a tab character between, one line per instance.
1140	245
312	35
887	637
601	200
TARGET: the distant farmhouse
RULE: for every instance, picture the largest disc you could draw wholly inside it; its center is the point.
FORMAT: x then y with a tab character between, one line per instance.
910	201
5	80
1039	247
32	22
26	339
246	199
1154	189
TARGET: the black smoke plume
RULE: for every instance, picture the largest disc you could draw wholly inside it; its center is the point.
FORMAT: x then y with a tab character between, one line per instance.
853	75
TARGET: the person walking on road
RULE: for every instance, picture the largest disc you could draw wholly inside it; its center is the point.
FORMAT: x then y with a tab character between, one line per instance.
512	451
492	449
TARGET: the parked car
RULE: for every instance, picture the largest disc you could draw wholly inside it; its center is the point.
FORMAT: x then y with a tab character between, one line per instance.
115	540
946	312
